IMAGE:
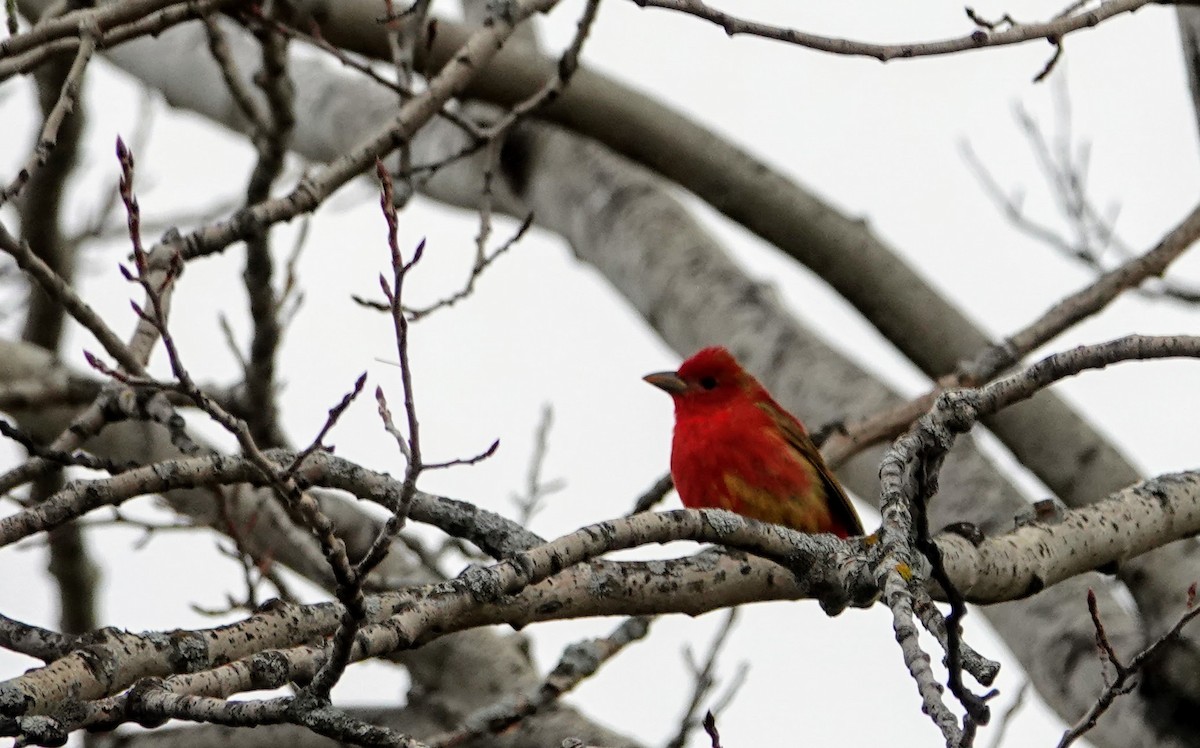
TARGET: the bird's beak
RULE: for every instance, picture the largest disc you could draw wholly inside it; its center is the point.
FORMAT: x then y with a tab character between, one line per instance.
667	381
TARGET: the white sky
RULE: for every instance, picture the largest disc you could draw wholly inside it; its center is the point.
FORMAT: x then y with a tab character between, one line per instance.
879	141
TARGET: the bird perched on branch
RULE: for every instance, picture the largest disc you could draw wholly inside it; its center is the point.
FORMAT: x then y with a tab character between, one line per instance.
735	448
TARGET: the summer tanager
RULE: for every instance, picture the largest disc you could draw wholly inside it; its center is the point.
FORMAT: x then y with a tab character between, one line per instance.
735	448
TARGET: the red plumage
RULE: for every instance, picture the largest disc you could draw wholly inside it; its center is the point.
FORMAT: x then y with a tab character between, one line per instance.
735	448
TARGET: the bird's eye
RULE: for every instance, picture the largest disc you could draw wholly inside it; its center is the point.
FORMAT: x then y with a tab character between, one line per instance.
708	383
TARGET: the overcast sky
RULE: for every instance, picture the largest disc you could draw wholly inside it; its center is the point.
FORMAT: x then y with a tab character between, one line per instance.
883	142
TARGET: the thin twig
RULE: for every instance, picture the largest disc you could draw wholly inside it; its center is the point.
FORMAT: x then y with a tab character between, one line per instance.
653	494
156	285
119	22
702	680
253	15
537	490
1122	684
985	35
335	413
1064	165
48	137
1009	714
710	727
54	285
995	359
579	662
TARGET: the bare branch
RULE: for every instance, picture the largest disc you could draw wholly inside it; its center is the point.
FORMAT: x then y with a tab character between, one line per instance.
80	310
994	359
653	495
909	481
313	189
579	662
118	22
1065	166
48	137
703	681
33	641
1073	19
536	490
1122	684
334	414
1009	714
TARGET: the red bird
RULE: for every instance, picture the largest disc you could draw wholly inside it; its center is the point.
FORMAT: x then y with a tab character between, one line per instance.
735	448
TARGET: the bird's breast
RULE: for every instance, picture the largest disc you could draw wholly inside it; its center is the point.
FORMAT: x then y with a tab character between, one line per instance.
740	462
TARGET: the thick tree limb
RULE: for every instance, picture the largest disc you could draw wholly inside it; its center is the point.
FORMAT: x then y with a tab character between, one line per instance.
509	591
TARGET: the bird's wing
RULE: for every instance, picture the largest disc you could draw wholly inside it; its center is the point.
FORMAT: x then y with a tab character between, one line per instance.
839	504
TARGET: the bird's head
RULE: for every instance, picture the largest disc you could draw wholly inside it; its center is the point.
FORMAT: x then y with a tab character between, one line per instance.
712	378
